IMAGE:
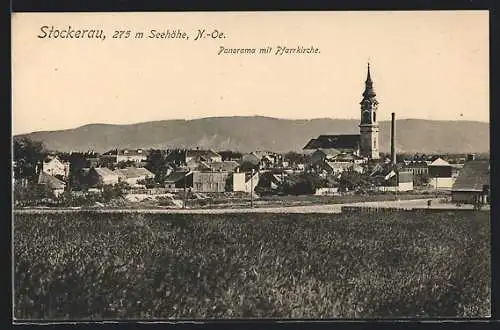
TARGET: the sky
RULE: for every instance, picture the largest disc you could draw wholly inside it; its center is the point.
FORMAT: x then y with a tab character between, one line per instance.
428	65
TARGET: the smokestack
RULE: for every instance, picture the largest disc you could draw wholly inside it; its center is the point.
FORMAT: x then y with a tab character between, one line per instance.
393	138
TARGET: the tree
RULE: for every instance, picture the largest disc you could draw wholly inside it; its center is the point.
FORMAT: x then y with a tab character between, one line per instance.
352	180
248	166
296	158
110	192
125	163
28	155
422	179
32	193
303	184
157	164
77	162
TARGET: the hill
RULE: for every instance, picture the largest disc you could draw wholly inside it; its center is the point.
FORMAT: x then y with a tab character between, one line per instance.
265	133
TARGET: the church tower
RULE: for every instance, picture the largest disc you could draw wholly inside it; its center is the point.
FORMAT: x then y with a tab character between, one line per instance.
368	127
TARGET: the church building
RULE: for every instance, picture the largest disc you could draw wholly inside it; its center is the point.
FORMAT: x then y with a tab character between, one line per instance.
364	144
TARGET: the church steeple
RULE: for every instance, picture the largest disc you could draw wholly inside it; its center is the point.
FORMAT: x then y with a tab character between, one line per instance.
369	91
368	126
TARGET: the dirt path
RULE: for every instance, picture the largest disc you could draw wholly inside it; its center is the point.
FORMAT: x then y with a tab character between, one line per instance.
330	208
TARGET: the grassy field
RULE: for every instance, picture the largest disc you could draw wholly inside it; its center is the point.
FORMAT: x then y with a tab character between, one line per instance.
80	266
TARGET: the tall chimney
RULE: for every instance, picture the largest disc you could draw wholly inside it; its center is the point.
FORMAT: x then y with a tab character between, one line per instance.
393	138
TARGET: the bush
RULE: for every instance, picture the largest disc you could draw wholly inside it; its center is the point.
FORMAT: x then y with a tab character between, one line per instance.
32	194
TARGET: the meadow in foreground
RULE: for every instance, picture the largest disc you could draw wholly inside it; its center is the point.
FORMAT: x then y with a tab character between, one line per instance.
90	266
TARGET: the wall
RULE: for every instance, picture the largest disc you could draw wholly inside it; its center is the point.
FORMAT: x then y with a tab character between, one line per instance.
209	181
134	158
327	192
440	171
441	183
468	197
404	186
239	182
251	184
56	167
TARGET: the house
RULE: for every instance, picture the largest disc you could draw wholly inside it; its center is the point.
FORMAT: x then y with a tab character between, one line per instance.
202	155
441	174
230	155
332	161
52	165
224	166
320	155
389	177
336	167
416	167
197	165
250	158
133	175
183	157
245	181
210	181
179	179
54	184
473	183
99	176
124	155
348	143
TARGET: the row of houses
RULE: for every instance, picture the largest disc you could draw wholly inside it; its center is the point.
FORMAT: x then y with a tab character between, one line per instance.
95	177
208	171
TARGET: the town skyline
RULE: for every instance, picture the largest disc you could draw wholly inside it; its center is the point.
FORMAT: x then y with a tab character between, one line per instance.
425	65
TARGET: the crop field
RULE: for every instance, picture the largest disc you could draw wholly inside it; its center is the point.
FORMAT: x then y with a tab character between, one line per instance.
85	265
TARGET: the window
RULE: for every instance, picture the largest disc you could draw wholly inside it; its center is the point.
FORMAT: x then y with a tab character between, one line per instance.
374	116
375	143
366	116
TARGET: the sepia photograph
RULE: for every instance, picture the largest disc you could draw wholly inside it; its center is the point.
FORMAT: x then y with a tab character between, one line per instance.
251	165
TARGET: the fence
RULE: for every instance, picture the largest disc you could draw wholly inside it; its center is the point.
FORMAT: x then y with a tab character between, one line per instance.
388	210
367	209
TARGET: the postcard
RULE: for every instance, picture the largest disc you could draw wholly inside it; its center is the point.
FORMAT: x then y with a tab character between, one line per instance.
242	165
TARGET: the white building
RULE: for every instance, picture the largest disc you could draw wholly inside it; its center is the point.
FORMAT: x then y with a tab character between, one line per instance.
245	182
52	165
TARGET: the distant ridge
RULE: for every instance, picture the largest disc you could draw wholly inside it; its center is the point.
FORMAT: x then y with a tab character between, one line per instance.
258	133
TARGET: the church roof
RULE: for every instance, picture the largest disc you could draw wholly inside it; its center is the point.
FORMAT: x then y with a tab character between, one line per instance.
369	92
344	141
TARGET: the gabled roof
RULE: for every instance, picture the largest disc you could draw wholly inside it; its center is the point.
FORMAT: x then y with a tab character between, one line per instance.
104	172
196	165
126	152
473	176
347	157
329	152
133	172
176	176
227	166
248	176
51	181
383	169
344	141
439	162
50	158
337	165
204	154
